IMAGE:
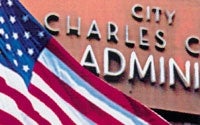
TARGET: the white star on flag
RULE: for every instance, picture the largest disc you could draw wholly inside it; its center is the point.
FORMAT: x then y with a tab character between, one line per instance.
2	20
10	3
15	36
2	31
30	51
27	35
25	18
12	19
15	62
41	34
8	47
25	68
19	52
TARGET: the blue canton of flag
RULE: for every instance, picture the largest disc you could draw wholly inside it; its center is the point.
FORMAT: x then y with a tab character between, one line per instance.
21	39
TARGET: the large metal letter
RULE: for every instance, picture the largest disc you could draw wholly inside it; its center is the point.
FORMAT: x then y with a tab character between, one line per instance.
135	9
196	76
185	79
157	12
74	30
112	32
122	62
51	17
142	72
93	62
161	42
188	42
129	43
143	42
162	70
93	32
170	16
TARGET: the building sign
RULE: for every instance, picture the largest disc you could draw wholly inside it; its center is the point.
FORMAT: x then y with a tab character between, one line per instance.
150	51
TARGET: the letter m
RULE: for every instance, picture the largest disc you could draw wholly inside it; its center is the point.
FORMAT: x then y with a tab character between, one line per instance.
134	63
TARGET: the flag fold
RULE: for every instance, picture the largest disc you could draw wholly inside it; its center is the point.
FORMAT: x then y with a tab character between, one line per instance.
42	84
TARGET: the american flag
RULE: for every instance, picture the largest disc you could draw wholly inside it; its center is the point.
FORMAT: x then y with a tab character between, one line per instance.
40	83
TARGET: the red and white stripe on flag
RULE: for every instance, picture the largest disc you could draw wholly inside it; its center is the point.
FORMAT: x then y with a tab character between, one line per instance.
63	92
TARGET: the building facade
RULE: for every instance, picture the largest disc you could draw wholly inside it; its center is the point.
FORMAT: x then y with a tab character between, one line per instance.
148	50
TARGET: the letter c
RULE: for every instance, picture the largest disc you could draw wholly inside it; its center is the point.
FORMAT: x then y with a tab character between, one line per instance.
49	18
135	9
188	42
